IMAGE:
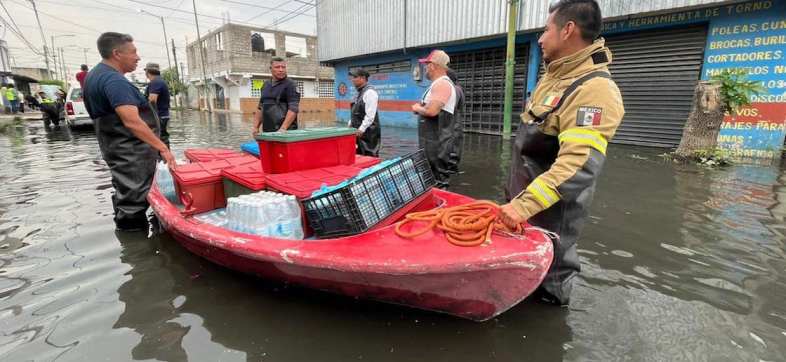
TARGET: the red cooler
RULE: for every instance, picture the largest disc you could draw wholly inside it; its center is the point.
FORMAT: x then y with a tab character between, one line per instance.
199	186
306	149
244	179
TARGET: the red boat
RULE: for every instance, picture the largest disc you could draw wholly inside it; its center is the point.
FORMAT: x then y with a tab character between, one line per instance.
426	272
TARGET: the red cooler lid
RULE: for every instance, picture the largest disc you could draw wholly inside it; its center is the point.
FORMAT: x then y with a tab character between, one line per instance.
250	176
209	154
366	161
243	159
200	172
303	183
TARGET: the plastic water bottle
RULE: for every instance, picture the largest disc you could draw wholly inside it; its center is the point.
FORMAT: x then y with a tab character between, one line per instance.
231	210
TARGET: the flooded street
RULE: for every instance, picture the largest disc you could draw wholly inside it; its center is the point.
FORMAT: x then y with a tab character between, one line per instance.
679	263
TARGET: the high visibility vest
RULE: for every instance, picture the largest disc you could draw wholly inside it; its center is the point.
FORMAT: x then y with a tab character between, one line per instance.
10	94
47	101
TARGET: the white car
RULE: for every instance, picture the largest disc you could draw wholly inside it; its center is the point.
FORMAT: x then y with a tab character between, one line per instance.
75	111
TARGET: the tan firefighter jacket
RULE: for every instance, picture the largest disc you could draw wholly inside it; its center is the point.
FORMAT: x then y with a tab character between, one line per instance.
583	124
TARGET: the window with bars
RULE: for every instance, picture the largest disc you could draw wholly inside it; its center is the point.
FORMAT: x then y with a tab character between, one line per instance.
299	87
402	66
256	87
326	89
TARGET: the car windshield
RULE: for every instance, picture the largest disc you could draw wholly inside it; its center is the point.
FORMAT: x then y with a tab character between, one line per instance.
76	95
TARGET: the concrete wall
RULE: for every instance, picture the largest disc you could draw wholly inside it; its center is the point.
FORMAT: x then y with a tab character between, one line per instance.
237	56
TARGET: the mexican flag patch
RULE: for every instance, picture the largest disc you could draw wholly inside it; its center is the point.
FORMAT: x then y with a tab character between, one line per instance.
551	101
588	116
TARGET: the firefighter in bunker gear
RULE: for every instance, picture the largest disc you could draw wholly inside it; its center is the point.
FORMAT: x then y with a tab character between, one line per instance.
559	152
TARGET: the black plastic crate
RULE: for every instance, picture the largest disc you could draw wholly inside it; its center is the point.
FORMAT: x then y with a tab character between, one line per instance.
365	202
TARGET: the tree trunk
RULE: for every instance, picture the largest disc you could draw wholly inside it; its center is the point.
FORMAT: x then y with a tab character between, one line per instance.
703	125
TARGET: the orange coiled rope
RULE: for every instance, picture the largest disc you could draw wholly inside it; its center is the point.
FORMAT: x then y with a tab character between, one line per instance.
464	225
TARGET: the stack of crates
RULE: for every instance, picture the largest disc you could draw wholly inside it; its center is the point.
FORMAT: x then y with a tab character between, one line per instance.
370	197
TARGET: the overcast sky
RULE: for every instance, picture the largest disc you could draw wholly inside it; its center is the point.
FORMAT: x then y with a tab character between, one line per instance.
86	19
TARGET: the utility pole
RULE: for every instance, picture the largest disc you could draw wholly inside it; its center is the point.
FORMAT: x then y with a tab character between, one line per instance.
174	55
54	60
177	73
183	75
510	63
43	38
166	44
63	67
85	50
202	57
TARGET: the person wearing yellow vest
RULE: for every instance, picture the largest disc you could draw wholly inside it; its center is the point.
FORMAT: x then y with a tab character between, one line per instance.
49	109
12	97
561	143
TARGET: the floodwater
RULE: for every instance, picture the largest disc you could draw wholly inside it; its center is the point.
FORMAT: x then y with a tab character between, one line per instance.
679	264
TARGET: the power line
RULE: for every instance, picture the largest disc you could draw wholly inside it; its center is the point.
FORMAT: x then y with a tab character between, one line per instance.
257	6
267	12
21	38
293	14
188	12
9	16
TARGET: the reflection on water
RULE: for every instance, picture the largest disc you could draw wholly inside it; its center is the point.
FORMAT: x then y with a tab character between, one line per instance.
679	263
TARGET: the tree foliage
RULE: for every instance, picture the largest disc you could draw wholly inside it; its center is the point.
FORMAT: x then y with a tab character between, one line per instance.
735	89
172	80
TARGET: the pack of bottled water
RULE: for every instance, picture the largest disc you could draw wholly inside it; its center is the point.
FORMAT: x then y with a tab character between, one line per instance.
265	213
165	182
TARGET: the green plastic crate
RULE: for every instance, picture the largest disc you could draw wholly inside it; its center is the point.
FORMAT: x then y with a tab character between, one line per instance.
234	189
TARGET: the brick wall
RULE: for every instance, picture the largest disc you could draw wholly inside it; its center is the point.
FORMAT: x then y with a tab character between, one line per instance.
249	105
311	109
317	109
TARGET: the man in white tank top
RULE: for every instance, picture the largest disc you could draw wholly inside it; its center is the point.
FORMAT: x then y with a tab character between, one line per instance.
436	134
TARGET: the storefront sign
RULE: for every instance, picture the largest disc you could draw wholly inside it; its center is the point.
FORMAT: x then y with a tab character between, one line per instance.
752	36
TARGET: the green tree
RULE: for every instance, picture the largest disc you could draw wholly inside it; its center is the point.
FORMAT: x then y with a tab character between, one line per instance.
173	81
735	89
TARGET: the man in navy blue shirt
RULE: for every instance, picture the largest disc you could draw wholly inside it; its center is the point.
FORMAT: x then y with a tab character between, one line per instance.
279	103
157	93
126	129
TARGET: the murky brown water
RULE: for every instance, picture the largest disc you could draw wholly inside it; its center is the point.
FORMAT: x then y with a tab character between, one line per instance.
680	263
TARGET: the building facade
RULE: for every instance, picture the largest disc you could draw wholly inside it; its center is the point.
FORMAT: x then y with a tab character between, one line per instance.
237	65
661	49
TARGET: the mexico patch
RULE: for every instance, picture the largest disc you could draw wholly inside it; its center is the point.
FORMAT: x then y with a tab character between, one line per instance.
551	101
588	116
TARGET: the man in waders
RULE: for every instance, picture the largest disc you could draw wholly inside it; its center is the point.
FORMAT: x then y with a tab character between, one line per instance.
279	103
365	117
49	110
436	118
126	129
157	92
560	146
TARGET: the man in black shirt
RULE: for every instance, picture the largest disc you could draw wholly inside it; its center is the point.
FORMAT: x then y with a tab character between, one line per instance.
157	92
278	105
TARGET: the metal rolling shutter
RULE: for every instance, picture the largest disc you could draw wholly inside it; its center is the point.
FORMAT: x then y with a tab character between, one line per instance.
656	72
482	75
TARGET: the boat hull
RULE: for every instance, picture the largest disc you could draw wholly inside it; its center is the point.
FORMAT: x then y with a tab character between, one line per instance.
426	272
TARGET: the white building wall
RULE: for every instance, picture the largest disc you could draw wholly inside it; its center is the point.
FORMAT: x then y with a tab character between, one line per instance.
308	89
233	93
